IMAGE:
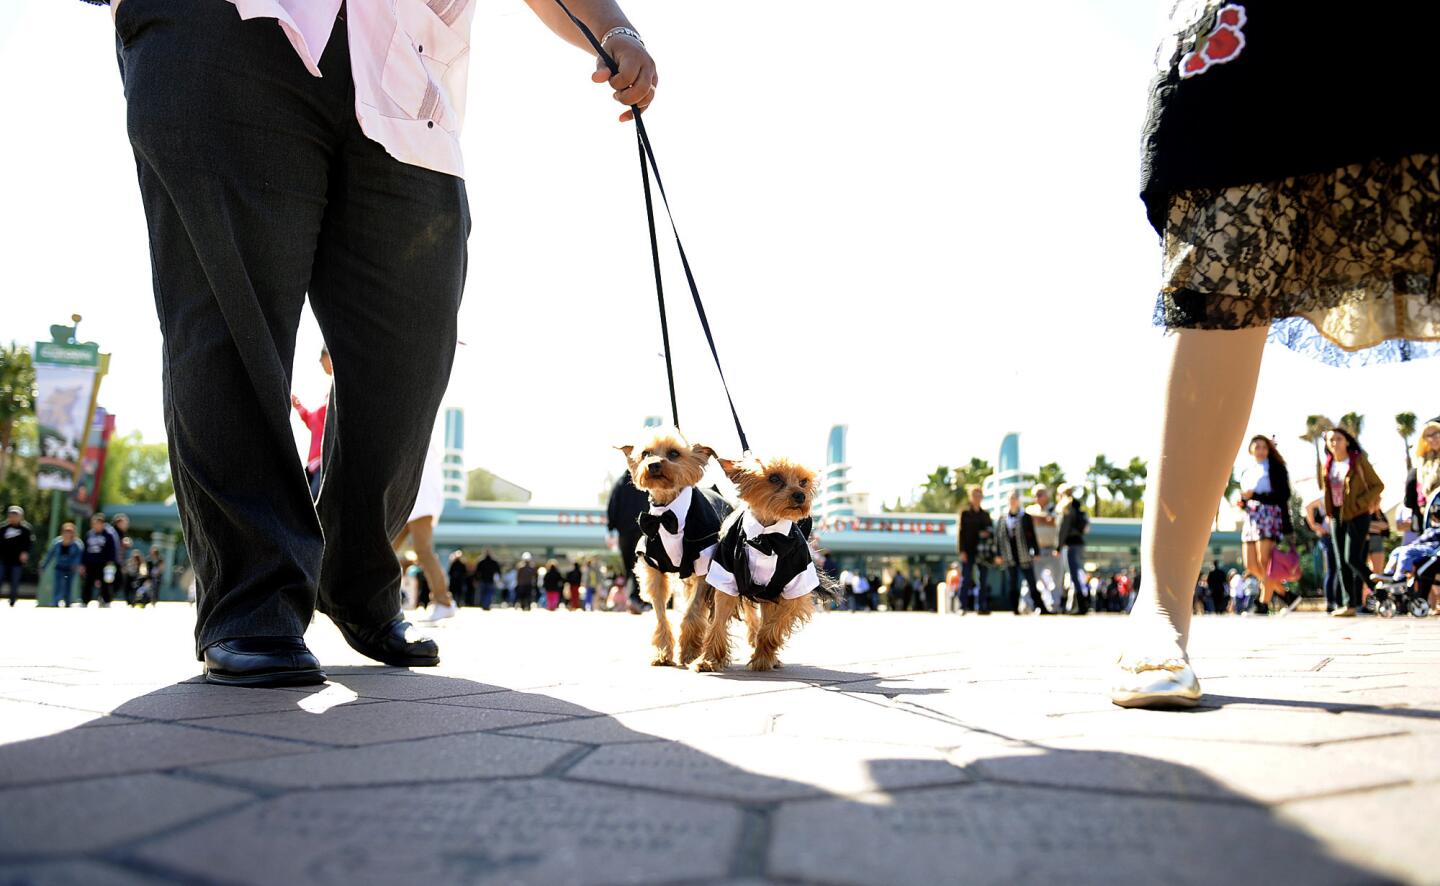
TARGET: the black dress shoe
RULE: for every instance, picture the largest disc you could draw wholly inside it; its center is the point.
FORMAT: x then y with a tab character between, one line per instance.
393	643
262	661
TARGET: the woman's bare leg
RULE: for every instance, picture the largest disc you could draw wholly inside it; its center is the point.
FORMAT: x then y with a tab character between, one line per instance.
1264	549
1209	392
422	535
1251	558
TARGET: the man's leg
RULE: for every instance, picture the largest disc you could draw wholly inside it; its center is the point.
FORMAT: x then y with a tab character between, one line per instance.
12	578
389	273
232	139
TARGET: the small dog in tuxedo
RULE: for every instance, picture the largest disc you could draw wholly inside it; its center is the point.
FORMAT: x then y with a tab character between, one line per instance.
678	536
765	562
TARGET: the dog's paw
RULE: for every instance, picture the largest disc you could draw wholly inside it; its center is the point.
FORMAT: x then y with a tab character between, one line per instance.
662	660
767	663
709	666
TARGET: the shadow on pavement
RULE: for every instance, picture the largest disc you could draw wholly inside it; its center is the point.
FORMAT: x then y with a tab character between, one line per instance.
388	776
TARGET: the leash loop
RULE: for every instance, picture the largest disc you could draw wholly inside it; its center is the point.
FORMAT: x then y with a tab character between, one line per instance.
649	167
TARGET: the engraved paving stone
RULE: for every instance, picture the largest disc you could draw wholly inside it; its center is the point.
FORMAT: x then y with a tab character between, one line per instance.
528	831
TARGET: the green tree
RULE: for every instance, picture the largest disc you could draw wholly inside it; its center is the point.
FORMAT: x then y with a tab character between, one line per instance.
17	397
1131	485
135	471
1315	428
941	494
1353	422
1051	476
973	473
1099	472
1405	427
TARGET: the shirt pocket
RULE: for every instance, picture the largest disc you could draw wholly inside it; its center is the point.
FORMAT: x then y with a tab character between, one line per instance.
422	49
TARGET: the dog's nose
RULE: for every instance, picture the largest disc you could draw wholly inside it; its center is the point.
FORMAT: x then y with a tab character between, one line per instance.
798	497
654	468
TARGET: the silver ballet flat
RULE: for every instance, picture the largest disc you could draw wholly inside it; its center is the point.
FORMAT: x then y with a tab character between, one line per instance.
1168	683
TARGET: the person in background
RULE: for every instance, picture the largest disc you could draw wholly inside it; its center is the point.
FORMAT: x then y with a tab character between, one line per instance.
866	595
953	602
132	573
314	420
16	540
1378	534
574	581
155	572
1015	536
1074	526
622	512
1352	493
65	553
1042	514
1265	494
121	526
1234	586
101	563
1217	584
899	592
461	589
1324	551
594	584
487	574
420	530
552	581
977	530
617	600
525	577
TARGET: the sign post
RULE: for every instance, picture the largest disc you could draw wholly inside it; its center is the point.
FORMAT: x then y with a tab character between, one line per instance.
67	382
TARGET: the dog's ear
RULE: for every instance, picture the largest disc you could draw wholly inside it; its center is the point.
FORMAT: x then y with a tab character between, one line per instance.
704	451
626	450
730	466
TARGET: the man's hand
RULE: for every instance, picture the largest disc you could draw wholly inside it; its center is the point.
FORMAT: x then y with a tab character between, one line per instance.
24	558
635	84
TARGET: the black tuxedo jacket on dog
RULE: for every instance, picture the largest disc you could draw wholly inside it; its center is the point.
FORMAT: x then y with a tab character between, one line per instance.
701	532
792	554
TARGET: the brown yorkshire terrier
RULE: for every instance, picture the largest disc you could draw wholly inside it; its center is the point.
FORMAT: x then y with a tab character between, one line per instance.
765	564
680	531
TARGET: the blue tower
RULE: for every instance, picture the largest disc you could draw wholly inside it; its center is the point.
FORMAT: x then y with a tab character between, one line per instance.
1008	476
452	466
835	490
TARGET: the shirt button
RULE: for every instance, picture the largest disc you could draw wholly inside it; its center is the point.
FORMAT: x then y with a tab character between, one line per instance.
420	48
429	124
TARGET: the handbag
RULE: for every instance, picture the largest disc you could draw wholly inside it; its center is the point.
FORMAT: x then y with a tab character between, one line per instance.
1284	564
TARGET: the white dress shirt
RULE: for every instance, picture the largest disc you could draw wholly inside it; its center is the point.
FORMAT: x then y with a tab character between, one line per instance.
675	542
762	565
410	60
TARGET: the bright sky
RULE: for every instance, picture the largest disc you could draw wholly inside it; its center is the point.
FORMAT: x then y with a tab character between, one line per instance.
918	218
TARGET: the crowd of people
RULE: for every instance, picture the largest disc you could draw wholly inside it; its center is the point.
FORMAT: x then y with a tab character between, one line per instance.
105	560
586	584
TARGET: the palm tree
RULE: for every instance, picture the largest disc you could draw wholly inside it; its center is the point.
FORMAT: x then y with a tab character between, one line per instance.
1135	474
1101	469
1405	427
1315	428
1353	422
1051	476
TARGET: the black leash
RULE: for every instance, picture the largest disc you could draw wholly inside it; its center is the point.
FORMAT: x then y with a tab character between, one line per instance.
648	166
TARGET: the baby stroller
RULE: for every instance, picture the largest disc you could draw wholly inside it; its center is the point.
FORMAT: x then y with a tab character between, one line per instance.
1410	592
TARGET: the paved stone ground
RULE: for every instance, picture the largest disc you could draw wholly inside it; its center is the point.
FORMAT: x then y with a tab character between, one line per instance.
905	748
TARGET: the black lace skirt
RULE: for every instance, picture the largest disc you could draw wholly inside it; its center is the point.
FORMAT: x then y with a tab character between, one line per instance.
1340	265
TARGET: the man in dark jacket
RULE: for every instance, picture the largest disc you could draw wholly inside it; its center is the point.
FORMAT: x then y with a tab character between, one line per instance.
1015	535
16	540
1215	581
486	572
627	503
462	591
976	530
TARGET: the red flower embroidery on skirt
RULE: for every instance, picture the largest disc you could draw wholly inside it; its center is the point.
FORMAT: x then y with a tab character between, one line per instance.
1221	45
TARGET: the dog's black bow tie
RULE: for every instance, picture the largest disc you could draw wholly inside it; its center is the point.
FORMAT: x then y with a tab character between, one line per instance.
650	523
768	543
